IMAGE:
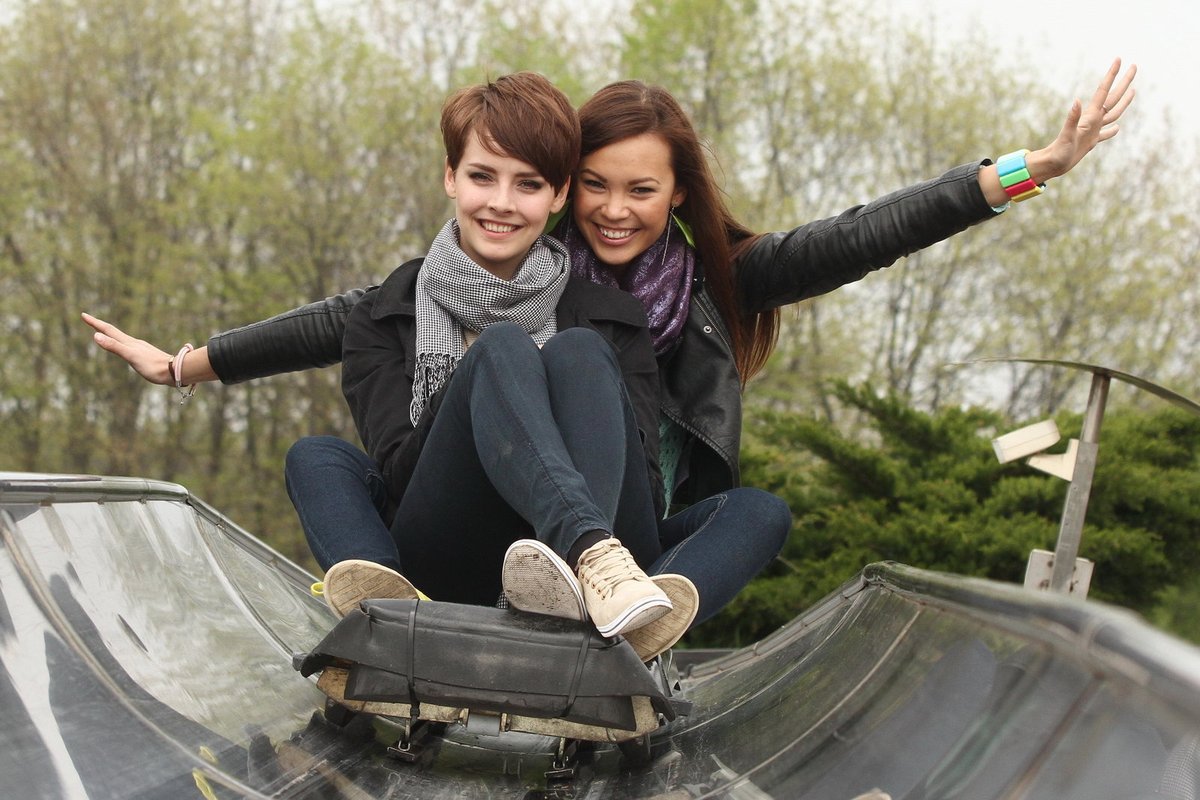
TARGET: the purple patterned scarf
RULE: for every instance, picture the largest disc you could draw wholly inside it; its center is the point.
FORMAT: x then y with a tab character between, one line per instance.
661	278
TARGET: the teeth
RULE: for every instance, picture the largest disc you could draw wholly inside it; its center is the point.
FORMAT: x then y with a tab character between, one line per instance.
496	227
612	233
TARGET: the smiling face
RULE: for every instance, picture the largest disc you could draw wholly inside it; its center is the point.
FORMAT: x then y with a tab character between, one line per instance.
501	204
623	197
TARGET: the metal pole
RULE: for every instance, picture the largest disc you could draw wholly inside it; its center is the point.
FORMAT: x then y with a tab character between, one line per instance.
1070	531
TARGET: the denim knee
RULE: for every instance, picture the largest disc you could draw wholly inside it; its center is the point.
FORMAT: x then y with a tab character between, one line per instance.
573	342
504	346
311	451
304	452
771	514
501	334
580	351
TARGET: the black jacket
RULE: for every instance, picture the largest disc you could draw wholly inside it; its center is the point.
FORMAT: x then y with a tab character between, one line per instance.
381	333
700	385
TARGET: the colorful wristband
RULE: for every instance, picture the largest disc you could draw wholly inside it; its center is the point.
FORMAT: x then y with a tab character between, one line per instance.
1015	177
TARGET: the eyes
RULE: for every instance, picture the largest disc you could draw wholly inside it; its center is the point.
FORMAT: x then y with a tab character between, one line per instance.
529	185
597	185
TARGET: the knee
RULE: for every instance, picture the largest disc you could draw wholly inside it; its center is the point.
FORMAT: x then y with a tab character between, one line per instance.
305	450
771	515
578	348
313	453
504	335
501	344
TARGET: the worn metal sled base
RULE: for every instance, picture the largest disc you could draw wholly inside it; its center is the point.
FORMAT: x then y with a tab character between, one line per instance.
491	670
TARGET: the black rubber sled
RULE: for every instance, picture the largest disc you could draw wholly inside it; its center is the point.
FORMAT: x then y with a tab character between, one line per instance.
491	670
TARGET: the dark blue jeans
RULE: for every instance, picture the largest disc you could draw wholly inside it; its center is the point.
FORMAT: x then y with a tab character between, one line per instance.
342	501
720	543
527	442
462	509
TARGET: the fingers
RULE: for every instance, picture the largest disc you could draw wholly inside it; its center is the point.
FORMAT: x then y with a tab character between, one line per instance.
1114	69
104	328
1108	132
95	322
1101	94
1088	125
104	332
1115	99
1123	86
118	348
116	341
1116	110
1072	121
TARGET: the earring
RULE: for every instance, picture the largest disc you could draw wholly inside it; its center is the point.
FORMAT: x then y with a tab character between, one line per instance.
667	242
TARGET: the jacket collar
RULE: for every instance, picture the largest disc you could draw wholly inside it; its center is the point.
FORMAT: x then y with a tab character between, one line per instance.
397	294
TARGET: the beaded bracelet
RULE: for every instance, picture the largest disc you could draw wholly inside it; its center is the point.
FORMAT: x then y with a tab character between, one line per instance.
1015	178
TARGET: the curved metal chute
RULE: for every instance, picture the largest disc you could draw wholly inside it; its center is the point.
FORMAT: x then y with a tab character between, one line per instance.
1143	383
146	646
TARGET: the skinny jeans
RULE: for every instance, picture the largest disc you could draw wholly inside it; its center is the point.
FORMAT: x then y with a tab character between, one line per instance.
720	543
527	442
340	495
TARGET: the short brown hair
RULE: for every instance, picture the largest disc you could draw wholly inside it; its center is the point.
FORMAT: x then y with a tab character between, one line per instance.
521	115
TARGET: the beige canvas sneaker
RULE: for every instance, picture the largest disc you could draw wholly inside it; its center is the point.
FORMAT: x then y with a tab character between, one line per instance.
347	583
655	637
537	580
619	597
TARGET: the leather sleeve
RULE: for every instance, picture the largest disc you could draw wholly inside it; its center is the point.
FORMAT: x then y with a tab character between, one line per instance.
817	257
304	338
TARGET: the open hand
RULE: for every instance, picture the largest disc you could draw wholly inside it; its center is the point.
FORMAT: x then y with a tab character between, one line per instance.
146	359
1087	126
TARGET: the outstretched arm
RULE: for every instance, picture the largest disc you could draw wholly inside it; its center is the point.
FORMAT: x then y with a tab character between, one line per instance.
308	337
1084	129
817	257
146	359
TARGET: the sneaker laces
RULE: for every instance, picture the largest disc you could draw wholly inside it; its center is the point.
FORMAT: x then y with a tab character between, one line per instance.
607	564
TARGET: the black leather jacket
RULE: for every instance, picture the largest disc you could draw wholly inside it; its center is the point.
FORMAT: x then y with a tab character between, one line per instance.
700	386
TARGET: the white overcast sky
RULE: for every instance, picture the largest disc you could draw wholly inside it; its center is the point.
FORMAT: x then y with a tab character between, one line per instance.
1074	41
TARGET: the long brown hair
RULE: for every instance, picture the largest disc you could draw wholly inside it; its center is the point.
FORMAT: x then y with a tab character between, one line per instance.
631	108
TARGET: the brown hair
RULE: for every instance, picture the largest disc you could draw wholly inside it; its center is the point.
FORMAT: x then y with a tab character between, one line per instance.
631	108
521	115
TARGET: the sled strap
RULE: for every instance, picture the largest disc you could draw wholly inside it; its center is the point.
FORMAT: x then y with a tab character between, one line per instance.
412	656
579	661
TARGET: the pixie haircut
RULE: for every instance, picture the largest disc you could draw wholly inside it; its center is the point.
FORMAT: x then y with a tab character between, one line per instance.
522	116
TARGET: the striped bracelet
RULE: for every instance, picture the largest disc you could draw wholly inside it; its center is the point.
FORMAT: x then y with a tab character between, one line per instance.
1015	178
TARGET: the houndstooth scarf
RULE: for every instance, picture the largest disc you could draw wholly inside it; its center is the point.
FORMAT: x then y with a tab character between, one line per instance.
453	293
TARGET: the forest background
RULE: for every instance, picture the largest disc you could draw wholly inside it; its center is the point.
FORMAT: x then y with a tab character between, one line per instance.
181	168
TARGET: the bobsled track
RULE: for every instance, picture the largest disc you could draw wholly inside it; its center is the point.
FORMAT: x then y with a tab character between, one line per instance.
146	648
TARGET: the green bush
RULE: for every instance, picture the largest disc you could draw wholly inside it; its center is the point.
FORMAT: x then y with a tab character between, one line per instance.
926	490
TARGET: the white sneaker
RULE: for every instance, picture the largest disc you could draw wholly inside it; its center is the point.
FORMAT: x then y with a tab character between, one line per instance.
655	637
617	594
536	580
348	583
